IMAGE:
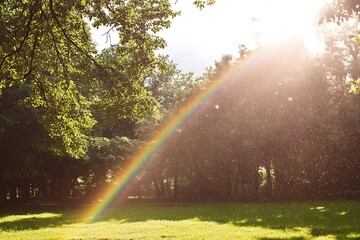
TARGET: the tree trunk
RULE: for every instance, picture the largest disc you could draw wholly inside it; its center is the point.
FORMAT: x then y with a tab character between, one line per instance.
162	187
176	185
239	184
255	184
3	191
25	191
269	187
156	187
279	185
176	180
12	191
228	194
236	185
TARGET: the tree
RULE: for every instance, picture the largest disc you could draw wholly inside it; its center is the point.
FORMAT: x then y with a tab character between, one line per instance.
336	10
48	45
53	81
171	88
202	3
340	10
276	133
22	140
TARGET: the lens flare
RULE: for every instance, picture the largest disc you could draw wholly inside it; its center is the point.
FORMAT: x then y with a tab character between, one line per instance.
279	20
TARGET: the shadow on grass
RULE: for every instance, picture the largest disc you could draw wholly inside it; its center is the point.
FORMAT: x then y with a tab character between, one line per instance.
292	238
339	219
32	220
30	223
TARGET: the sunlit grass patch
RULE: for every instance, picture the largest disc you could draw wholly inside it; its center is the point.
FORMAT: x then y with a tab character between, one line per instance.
353	236
159	229
262	221
13	218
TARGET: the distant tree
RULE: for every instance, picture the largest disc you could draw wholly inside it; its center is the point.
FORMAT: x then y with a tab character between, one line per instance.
335	9
340	10
171	88
22	139
267	134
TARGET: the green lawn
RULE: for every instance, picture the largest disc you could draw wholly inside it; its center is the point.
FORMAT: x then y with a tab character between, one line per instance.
318	220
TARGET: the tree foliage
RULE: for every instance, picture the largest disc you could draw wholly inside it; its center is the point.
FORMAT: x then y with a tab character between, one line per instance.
282	128
48	46
340	10
203	3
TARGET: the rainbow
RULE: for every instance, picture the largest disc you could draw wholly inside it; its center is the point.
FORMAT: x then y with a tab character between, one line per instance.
142	157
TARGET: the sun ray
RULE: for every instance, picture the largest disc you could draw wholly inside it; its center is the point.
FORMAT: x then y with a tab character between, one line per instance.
279	21
141	158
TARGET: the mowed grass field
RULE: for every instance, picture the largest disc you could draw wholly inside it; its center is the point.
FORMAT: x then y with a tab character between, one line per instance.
264	221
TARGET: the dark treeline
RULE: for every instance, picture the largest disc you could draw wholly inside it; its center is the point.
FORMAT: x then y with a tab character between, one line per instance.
284	127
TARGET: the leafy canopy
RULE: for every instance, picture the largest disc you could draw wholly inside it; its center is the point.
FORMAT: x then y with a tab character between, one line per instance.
47	46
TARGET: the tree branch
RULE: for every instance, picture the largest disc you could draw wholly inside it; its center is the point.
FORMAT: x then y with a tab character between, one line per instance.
54	15
28	76
33	10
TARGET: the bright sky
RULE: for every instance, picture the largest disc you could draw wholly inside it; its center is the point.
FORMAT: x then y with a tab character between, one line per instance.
197	38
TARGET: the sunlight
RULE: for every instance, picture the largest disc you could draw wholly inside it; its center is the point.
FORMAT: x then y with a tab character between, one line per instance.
14	218
280	20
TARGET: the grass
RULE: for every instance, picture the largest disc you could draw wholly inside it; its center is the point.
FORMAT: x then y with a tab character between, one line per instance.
263	221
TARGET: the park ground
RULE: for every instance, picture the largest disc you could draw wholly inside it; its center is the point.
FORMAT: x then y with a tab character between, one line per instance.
298	220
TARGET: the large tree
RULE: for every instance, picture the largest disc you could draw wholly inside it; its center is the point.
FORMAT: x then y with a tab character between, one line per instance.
48	46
